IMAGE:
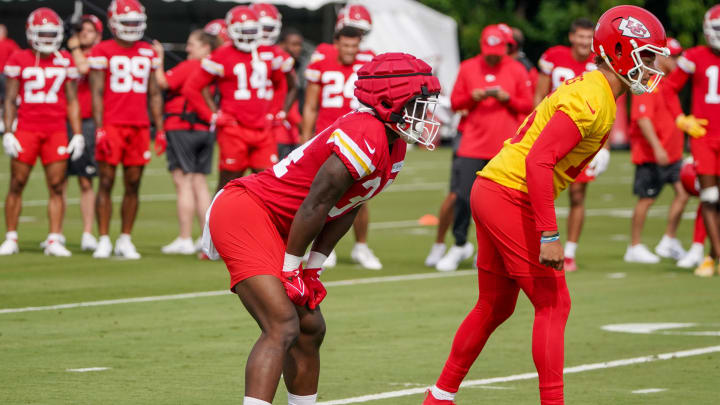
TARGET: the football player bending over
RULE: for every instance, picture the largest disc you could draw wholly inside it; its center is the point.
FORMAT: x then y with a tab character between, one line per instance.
261	225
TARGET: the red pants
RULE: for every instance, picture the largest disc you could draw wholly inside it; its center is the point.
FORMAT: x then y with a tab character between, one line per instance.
242	148
706	154
49	146
129	145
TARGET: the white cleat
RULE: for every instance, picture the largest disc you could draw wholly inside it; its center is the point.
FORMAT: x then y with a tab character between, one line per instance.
454	257
198	244
670	248
9	247
436	253
693	257
88	242
331	260
56	247
363	255
45	243
180	246
125	248
104	248
640	254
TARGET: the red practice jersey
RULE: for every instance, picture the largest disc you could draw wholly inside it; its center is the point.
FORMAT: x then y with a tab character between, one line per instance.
558	63
660	107
358	139
84	95
337	83
285	62
7	48
43	106
703	66
176	103
127	73
243	83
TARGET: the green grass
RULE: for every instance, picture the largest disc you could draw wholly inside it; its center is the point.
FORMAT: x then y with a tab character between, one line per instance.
381	337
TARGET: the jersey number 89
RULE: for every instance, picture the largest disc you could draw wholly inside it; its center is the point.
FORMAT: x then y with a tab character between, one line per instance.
129	74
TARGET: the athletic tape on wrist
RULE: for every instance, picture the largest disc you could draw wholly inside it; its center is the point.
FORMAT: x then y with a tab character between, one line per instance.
291	262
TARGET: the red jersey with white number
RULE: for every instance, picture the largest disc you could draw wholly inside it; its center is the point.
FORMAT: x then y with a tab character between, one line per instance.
43	106
243	83
84	95
703	66
358	139
127	73
7	48
337	84
558	63
285	63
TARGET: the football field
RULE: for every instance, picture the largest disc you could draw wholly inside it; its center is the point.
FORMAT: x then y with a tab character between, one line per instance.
165	330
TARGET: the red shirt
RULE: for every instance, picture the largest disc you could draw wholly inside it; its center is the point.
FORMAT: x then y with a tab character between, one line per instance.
243	83
127	73
703	66
176	103
285	130
43	106
337	83
84	95
489	122
558	63
358	139
661	107
7	47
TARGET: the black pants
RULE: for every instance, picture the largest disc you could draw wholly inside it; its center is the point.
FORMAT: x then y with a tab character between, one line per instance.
464	172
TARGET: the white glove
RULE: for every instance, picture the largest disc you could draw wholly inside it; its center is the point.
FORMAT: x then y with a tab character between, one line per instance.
11	145
76	146
599	163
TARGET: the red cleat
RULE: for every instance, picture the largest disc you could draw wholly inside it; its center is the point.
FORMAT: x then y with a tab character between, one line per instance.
431	400
569	264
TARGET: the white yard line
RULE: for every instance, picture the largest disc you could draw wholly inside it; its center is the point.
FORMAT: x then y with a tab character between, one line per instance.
649	391
338	283
85	370
529	376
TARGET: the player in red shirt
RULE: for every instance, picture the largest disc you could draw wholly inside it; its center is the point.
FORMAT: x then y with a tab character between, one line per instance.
7	47
122	87
43	80
247	74
89	34
190	141
288	138
261	225
329	95
702	65
496	90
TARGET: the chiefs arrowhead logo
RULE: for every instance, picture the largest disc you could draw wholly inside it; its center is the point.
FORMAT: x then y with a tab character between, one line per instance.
633	28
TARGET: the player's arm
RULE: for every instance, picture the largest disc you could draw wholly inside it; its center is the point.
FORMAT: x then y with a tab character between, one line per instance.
677	79
192	90
156	103
333	231
462	97
521	100
209	99
648	132
73	106
97	88
542	88
556	140
292	92
12	86
159	73
310	111
79	58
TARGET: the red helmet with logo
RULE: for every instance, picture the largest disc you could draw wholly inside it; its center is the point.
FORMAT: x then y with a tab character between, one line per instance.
356	16
217	28
243	28
402	92
127	20
94	20
622	35
44	30
688	177
711	27
270	22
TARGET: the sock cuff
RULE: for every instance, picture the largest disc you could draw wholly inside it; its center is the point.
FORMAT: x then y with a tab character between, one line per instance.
302	399
254	401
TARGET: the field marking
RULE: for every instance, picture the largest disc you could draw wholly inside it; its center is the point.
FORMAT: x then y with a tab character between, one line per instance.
616	275
338	283
529	376
659	328
649	391
85	370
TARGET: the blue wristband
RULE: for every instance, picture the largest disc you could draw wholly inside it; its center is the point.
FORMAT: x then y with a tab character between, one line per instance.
551	238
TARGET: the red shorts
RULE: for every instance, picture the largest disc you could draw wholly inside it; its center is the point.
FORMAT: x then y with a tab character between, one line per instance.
706	154
508	241
50	146
583	177
129	145
245	236
242	148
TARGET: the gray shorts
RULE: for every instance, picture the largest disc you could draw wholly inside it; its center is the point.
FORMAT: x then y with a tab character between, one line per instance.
85	166
651	177
190	151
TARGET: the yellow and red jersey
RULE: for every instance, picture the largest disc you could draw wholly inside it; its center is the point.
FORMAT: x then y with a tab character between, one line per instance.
590	104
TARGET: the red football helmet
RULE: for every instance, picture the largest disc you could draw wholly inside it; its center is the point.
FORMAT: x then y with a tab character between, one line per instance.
44	30
217	28
270	22
711	27
688	177
402	92
354	15
127	20
243	28
622	34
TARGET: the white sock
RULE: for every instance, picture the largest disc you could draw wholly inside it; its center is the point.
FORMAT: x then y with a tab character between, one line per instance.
55	237
301	399
438	246
666	239
104	238
359	245
254	401
442	395
11	235
570	248
123	237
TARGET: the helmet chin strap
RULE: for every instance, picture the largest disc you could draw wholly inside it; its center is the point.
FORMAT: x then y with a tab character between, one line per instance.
635	87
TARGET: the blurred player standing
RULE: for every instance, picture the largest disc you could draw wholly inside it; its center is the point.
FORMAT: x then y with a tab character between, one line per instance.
85	168
513	200
43	79
7	47
122	87
288	137
702	65
329	95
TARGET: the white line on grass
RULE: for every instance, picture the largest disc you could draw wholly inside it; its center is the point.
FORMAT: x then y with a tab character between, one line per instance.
529	376
85	370
649	391
369	280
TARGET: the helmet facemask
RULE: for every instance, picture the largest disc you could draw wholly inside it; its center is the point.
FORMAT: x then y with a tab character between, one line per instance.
634	76
245	36
418	123
711	29
129	27
46	38
270	31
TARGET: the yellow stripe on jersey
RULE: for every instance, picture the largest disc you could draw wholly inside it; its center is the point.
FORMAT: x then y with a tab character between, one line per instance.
212	67
352	152
589	102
